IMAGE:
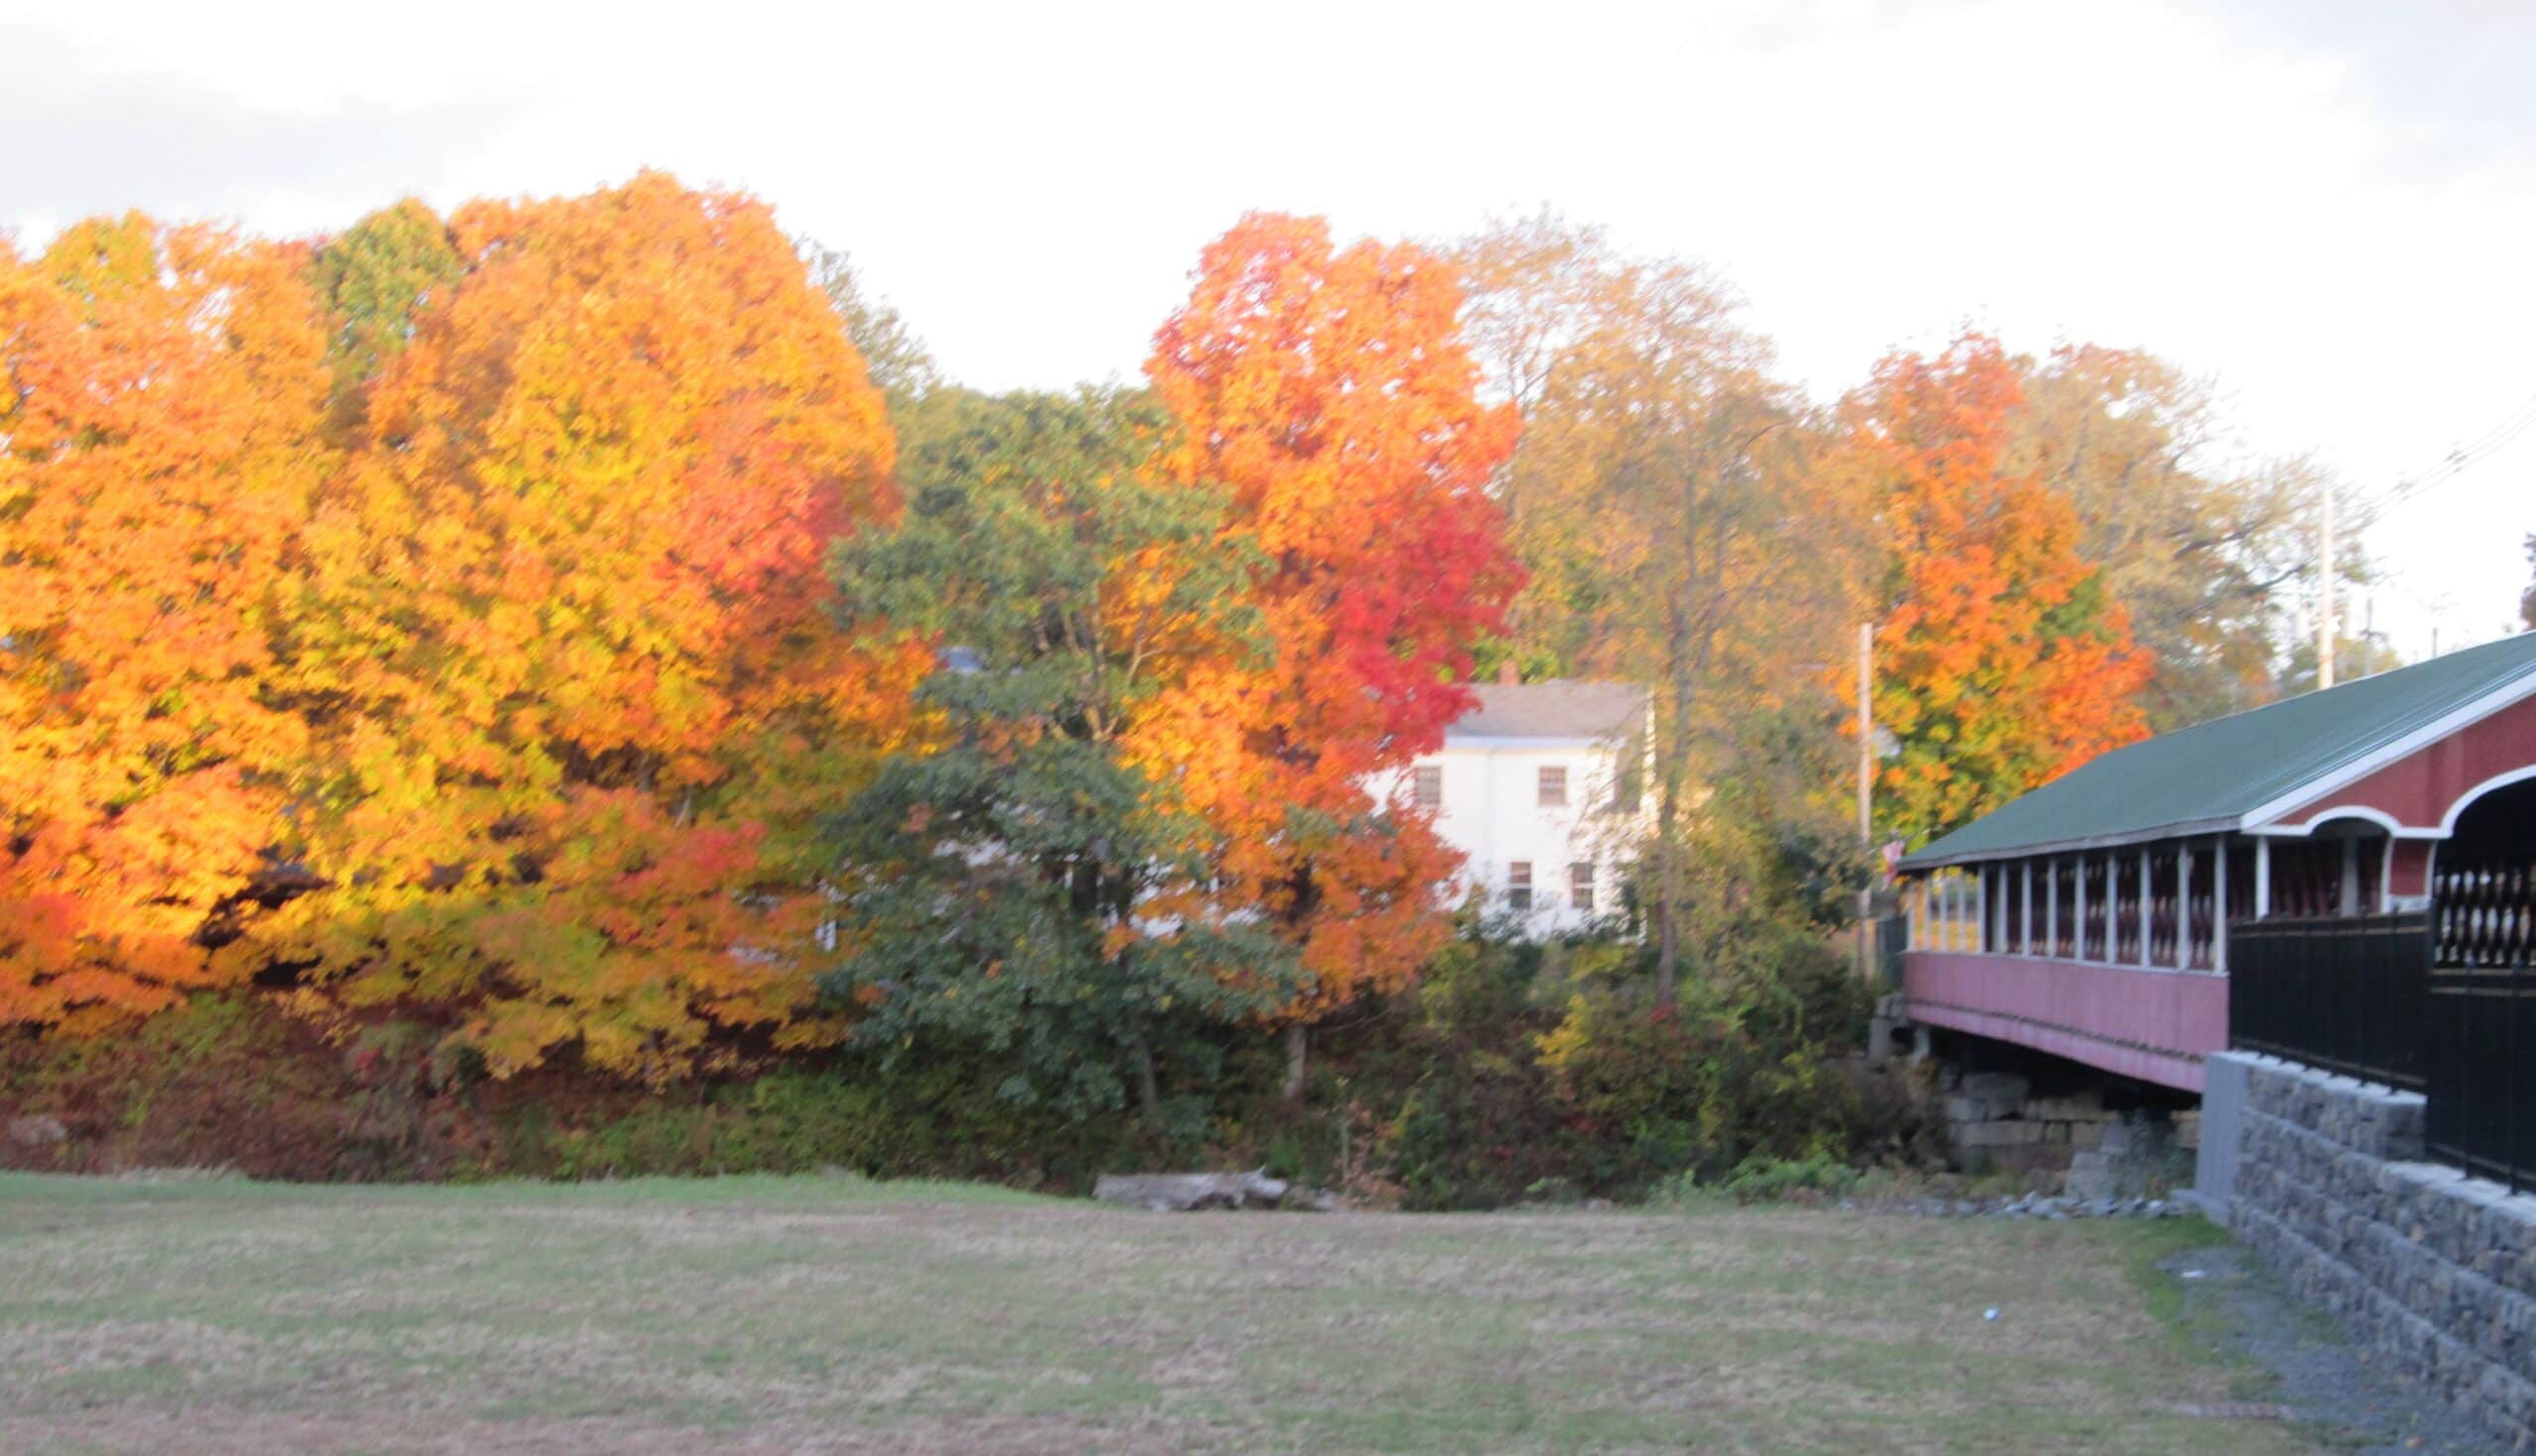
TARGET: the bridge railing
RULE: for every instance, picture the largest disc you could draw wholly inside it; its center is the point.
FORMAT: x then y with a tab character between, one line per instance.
2347	994
2440	1002
2482	1021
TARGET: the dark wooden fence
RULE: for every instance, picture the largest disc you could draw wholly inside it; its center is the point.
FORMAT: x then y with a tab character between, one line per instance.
2481	1029
2349	994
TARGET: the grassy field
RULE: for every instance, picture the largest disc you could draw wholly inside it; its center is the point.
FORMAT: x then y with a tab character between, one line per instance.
828	1314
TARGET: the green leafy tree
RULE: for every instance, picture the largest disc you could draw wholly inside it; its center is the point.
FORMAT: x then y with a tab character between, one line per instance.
1029	883
2196	546
901	367
1669	505
373	277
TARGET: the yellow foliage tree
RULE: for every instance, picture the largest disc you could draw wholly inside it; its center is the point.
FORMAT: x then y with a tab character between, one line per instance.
161	391
573	691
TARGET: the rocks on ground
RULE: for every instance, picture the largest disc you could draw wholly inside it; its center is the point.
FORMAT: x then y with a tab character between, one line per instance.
36	1131
1189	1193
2026	1205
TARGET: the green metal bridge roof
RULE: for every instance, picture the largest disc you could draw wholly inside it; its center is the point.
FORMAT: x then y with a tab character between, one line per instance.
2223	774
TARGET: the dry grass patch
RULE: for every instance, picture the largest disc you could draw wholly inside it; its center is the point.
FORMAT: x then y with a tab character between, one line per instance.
764	1315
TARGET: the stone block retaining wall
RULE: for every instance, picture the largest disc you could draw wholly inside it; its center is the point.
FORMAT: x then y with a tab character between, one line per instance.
2325	1178
2071	1142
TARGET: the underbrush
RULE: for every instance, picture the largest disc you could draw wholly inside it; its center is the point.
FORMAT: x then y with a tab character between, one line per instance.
1512	1073
1521	1073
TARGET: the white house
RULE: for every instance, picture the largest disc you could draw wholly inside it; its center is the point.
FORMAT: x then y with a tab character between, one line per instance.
1529	788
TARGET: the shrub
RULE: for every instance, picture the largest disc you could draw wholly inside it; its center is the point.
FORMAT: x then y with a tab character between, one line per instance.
936	1115
224	1081
1766	1179
1515	1068
1762	1179
1740	1066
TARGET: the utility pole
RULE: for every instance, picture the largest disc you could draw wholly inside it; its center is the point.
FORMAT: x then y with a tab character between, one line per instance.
1866	794
2325	595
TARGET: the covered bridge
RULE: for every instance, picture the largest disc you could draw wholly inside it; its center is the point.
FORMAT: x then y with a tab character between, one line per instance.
2306	847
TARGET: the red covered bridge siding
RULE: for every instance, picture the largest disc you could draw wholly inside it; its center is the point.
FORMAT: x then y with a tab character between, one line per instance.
2090	918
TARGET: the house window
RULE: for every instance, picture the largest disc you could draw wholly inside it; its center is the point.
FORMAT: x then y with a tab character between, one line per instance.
1554	787
1519	884
1580	886
1426	790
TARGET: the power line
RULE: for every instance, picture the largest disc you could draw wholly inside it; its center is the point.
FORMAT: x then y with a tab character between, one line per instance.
2456	462
2524	410
2368	511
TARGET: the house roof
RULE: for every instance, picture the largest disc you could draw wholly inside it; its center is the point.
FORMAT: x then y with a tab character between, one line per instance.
1584	712
2242	770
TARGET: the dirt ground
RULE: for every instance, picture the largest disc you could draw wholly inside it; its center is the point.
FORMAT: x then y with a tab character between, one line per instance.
828	1314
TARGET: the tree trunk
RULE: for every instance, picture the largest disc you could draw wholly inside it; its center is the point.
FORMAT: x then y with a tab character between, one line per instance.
1298	1049
1668	950
1148	1089
1672	747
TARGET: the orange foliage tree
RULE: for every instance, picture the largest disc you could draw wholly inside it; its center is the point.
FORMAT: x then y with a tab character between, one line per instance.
562	649
2001	659
1330	392
160	396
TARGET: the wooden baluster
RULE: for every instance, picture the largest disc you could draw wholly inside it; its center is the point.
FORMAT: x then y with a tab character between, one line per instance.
2518	917
2490	916
2470	899
2482	903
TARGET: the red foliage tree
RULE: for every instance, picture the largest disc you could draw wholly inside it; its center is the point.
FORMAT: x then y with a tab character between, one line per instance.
1329	391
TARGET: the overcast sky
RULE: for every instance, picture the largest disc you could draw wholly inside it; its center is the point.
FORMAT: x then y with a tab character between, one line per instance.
2328	205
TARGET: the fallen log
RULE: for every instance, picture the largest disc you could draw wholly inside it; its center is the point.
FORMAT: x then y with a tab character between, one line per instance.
1183	1193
